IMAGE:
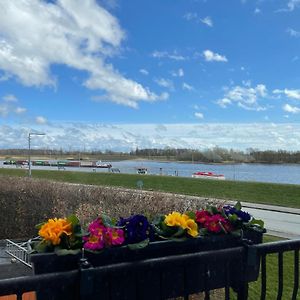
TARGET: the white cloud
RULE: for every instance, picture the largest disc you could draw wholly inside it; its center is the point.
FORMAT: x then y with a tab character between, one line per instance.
167	83
82	35
199	115
20	110
178	73
245	97
293	94
207	21
257	11
292	32
292	4
164	54
125	137
187	87
40	120
144	72
191	16
211	56
10	98
291	109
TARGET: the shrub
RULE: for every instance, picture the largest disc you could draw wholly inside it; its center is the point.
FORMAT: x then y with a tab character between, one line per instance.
25	202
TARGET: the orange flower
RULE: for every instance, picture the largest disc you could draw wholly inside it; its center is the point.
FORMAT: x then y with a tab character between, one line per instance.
54	228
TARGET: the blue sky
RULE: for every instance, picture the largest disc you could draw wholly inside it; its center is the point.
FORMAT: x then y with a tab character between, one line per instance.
116	74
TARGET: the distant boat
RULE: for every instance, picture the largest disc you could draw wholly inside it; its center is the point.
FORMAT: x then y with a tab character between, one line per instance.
208	175
141	170
100	164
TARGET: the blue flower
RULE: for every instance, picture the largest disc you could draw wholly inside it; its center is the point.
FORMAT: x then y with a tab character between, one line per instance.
137	229
242	215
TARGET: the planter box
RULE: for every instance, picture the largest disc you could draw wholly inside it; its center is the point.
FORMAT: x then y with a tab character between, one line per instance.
173	279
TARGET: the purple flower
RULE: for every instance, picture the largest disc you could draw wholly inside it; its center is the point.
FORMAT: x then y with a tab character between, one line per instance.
242	215
137	229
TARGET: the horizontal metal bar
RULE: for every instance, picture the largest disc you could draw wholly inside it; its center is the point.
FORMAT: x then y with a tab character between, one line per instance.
280	246
37	282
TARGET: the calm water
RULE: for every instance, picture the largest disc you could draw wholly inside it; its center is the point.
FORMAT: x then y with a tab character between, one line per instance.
244	172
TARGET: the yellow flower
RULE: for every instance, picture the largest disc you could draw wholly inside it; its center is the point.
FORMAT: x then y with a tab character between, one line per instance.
192	227
174	219
54	228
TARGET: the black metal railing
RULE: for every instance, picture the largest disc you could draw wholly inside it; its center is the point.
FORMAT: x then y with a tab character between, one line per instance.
166	277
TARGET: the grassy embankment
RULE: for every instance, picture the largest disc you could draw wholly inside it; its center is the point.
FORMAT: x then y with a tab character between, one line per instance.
276	194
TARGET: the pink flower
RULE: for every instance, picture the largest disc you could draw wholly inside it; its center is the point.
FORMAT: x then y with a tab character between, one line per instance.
213	224
202	216
94	242
114	236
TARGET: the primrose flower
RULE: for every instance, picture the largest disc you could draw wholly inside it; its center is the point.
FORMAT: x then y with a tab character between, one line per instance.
114	236
174	219
192	227
54	229
202	216
213	224
93	242
242	215
137	229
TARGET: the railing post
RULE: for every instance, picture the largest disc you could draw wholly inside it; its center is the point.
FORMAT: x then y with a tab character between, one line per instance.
86	279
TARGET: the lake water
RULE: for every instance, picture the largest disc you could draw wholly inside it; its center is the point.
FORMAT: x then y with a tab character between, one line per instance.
283	173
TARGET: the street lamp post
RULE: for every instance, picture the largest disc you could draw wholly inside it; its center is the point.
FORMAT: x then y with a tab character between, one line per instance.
29	150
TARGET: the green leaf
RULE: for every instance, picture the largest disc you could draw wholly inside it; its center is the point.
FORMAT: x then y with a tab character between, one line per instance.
257	222
73	219
179	233
191	214
158	220
139	245
238	206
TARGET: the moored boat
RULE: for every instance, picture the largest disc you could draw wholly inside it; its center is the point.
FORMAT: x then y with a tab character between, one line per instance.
208	175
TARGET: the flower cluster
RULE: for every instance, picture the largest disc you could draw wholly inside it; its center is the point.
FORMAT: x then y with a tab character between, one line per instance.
183	221
101	236
66	236
137	229
54	229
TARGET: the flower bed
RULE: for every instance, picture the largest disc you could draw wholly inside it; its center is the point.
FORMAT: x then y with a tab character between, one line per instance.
62	241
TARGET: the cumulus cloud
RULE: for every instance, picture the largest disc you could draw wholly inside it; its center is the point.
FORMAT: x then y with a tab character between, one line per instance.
291	109
186	86
144	72
207	21
126	137
191	16
40	120
292	32
20	110
178	73
34	35
165	54
245	97
199	115
10	98
167	83
293	94
211	56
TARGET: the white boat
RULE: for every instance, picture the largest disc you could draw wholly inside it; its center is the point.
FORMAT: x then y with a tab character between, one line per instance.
141	170
208	175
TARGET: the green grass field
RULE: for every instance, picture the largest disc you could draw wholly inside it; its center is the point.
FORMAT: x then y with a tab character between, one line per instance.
265	193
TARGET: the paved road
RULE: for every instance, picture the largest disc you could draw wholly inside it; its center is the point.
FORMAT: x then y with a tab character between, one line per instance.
281	224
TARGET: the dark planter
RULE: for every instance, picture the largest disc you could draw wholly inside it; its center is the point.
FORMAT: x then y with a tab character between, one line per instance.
171	278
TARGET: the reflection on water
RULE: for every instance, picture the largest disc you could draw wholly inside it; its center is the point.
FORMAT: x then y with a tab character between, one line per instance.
282	173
